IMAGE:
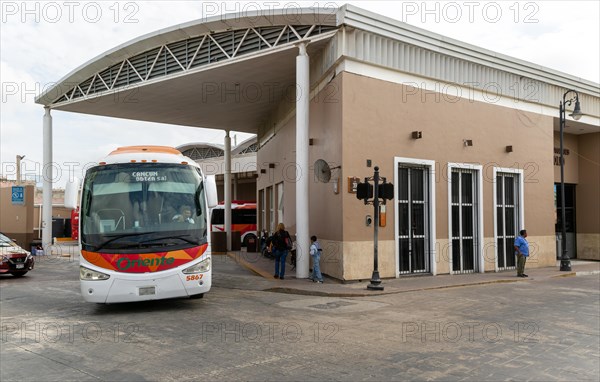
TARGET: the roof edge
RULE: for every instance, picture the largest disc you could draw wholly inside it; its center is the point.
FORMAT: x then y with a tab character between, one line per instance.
359	18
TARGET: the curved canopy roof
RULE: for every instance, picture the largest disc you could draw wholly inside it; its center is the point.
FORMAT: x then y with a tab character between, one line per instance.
198	73
205	150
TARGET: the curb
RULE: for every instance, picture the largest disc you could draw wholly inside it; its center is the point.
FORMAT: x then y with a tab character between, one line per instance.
248	266
570	274
578	273
304	292
364	293
587	273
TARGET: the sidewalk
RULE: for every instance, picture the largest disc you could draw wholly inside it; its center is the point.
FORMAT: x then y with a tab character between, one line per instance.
264	267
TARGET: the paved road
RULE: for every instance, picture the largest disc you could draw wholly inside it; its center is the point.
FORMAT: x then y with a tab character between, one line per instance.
540	331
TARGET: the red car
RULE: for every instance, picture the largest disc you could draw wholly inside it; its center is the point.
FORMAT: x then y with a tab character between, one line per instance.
15	260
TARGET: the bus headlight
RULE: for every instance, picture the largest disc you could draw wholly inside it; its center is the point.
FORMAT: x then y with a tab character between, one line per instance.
201	267
91	275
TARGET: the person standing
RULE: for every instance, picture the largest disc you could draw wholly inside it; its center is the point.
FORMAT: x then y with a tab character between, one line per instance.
315	254
522	252
282	243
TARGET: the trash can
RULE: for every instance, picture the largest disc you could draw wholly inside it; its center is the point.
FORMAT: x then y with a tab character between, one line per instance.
252	244
34	244
218	241
236	240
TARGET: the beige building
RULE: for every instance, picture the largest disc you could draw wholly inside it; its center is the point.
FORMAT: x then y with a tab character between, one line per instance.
467	136
482	168
22	221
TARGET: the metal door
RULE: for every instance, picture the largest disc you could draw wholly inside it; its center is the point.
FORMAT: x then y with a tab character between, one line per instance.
570	228
507	218
464	220
413	219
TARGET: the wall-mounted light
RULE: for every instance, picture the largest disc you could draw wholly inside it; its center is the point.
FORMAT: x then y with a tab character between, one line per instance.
311	141
509	149
417	134
468	142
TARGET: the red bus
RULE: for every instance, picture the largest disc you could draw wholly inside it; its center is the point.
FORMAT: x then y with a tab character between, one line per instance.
243	219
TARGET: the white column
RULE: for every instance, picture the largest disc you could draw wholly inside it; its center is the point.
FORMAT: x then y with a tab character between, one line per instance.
227	188
19	159
302	115
47	185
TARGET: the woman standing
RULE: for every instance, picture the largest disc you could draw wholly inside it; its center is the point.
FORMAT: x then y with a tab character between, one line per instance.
282	243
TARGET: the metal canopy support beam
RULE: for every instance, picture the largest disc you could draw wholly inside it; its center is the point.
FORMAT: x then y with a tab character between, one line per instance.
302	169
227	189
47	185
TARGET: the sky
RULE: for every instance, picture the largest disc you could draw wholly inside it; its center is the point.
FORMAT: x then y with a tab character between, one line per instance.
42	41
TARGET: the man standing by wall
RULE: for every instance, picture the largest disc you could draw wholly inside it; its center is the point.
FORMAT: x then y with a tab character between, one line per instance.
522	252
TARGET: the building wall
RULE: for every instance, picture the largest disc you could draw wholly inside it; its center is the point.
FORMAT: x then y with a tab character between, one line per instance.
378	118
16	221
588	196
22	222
280	152
571	157
245	191
374	120
325	209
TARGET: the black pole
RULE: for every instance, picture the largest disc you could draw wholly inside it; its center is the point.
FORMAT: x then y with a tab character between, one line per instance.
565	262
375	280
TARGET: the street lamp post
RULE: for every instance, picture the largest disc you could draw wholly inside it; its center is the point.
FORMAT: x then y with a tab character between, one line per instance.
565	262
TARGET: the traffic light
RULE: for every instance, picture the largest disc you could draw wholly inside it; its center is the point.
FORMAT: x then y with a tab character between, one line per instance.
386	191
364	191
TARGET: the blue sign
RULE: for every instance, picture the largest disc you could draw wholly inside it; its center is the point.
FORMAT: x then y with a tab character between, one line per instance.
18	195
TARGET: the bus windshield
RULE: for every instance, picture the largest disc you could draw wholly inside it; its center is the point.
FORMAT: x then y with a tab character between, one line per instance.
142	207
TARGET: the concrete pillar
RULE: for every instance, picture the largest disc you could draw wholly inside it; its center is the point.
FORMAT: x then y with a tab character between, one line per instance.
227	188
47	181
19	159
302	176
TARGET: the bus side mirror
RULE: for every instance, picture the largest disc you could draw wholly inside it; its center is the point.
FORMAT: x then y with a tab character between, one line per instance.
71	193
211	191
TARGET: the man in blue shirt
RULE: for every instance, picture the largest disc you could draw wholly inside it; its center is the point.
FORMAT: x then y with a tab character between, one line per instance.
522	252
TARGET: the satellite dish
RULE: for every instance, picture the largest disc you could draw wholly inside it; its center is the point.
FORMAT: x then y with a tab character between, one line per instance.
322	171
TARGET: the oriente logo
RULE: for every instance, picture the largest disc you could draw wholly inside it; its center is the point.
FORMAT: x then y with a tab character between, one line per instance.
124	264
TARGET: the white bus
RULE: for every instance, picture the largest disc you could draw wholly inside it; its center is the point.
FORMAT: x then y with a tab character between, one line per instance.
144	214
